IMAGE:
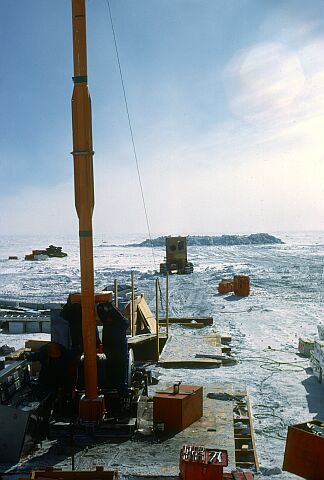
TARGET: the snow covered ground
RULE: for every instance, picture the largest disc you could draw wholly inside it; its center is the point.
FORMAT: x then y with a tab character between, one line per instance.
286	302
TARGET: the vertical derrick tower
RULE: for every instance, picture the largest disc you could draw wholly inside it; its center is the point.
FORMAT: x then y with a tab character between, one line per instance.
91	406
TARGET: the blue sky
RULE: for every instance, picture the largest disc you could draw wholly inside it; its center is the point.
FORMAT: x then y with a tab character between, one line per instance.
226	99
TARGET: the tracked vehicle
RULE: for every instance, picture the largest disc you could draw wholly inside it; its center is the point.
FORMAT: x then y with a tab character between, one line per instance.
176	259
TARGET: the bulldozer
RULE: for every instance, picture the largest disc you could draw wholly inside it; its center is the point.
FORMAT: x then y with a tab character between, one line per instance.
176	256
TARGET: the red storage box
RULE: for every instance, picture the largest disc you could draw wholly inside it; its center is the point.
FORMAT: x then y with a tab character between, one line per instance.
304	450
242	285
206	466
225	286
176	411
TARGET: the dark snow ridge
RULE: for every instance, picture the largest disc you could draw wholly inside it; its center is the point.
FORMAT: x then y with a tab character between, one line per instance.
225	240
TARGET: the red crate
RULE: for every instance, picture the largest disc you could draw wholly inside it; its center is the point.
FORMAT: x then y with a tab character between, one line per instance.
176	411
304	451
191	469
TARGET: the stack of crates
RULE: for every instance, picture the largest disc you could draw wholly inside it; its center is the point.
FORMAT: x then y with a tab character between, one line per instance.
240	285
305	346
317	359
225	286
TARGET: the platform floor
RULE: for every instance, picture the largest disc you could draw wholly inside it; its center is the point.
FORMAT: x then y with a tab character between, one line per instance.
147	455
181	351
158	456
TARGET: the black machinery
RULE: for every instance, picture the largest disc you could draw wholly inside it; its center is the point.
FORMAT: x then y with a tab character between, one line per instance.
32	409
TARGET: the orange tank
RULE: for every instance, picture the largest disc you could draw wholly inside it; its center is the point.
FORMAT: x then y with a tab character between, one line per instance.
242	285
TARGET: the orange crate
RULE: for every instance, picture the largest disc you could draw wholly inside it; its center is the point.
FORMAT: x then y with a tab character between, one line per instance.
178	411
304	451
225	286
200	469
242	285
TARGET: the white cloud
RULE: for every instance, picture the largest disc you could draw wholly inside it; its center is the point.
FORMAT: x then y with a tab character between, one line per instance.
263	82
261	172
265	189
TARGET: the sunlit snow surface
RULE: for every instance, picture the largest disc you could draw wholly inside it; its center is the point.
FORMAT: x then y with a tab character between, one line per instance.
286	302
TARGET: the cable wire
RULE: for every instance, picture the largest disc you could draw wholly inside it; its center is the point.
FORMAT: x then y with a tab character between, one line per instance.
131	129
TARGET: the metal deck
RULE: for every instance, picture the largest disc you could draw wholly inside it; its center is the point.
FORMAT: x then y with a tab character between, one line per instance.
148	455
180	351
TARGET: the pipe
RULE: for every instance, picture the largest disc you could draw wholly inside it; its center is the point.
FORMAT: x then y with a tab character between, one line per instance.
133	307
84	192
167	303
157	318
116	292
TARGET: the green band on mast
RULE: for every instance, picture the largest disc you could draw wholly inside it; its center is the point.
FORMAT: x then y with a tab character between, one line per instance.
80	79
85	233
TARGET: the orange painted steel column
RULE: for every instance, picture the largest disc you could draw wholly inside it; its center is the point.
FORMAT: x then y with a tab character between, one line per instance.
84	192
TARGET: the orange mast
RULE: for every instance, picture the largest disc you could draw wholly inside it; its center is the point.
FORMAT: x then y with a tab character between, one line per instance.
91	405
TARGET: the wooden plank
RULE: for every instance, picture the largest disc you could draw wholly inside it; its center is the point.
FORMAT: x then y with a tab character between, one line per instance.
182	351
190	363
192	325
146	314
182	320
141	326
226	339
245	448
35	344
139	339
256	459
127	313
215	340
16	354
225	359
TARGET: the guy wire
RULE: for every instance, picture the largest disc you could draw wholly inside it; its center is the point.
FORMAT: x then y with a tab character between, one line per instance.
131	129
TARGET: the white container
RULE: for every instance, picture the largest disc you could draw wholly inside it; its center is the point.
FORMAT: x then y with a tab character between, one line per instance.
45	326
316	367
319	352
305	346
16	327
320	329
32	326
318	346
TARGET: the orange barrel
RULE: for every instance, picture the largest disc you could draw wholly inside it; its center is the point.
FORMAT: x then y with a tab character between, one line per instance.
242	285
225	286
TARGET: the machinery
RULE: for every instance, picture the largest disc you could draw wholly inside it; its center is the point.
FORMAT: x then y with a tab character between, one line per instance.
24	411
176	256
73	388
117	405
31	409
50	251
